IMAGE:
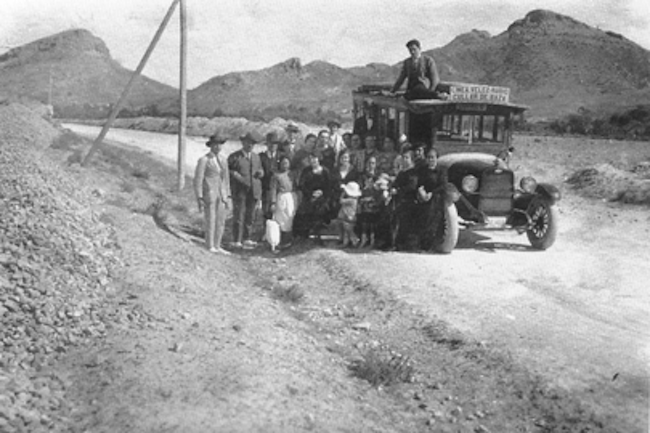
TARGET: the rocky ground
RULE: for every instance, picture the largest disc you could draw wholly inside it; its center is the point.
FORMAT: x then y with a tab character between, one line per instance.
116	319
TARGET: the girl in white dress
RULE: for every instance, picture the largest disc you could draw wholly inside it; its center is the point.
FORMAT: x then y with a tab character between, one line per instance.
283	200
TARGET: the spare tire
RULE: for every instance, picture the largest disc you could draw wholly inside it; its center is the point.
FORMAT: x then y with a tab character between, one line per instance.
449	230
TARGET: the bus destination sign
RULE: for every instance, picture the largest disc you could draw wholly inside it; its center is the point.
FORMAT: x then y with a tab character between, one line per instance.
478	93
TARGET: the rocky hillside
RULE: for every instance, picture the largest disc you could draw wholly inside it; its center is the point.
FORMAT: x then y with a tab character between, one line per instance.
78	68
552	62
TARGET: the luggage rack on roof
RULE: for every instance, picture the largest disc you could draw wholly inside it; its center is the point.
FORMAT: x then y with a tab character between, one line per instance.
374	89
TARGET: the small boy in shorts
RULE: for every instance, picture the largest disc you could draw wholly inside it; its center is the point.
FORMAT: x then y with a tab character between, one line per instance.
347	216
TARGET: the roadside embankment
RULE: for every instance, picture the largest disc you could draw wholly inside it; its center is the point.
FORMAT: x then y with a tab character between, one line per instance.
56	260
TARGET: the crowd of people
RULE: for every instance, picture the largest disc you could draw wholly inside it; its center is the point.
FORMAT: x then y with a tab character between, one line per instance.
371	196
375	194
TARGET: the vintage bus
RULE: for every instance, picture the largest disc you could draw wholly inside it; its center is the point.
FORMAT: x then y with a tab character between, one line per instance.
471	127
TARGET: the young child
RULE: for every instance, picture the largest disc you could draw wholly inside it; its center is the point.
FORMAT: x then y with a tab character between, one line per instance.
347	216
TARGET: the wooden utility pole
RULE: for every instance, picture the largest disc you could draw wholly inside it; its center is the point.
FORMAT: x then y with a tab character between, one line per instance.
118	106
49	89
182	123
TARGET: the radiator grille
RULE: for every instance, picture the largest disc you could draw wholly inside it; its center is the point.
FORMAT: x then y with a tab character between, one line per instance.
497	189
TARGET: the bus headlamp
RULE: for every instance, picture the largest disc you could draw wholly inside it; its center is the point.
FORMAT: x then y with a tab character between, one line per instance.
528	184
470	184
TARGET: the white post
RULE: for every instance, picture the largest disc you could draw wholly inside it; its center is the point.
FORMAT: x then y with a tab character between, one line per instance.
127	89
182	124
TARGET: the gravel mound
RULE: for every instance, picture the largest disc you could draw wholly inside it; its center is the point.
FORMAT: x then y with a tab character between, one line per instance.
613	184
56	262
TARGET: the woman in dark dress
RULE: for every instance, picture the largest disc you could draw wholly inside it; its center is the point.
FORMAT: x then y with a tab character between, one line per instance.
315	187
430	189
403	218
343	173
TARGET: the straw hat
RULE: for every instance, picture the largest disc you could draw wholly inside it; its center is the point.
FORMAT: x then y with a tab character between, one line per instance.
352	189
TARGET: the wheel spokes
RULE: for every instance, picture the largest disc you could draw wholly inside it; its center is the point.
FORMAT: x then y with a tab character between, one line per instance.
540	221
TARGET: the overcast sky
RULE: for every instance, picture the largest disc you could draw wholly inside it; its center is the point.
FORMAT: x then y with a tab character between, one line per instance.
235	35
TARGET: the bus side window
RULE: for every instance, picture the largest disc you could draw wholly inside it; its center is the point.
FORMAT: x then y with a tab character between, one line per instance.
488	128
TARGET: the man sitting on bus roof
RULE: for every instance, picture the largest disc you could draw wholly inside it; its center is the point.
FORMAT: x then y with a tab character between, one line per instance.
421	72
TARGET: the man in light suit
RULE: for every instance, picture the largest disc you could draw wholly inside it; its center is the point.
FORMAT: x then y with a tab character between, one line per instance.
212	190
246	173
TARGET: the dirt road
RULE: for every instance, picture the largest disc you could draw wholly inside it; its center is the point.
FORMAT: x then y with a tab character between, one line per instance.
578	314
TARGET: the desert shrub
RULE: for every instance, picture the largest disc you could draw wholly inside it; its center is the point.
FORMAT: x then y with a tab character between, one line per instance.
383	367
66	141
297	113
601	127
583	177
558	126
82	111
140	173
75	158
579	123
619	119
632	123
610	183
440	333
639	113
293	293
180	207
150	110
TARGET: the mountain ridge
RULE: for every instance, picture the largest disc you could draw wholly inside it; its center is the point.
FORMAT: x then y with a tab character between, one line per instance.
75	71
555	64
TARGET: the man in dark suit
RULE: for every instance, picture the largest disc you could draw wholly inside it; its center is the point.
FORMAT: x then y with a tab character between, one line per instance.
246	184
421	72
364	124
270	163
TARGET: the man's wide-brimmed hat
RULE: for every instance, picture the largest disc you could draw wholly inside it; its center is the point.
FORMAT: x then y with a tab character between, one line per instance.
292	128
333	123
273	137
217	138
251	137
352	189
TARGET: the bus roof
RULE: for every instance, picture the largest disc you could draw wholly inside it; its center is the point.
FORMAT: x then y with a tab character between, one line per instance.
379	95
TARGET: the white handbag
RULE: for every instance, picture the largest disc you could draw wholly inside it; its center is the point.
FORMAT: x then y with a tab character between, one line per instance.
272	234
